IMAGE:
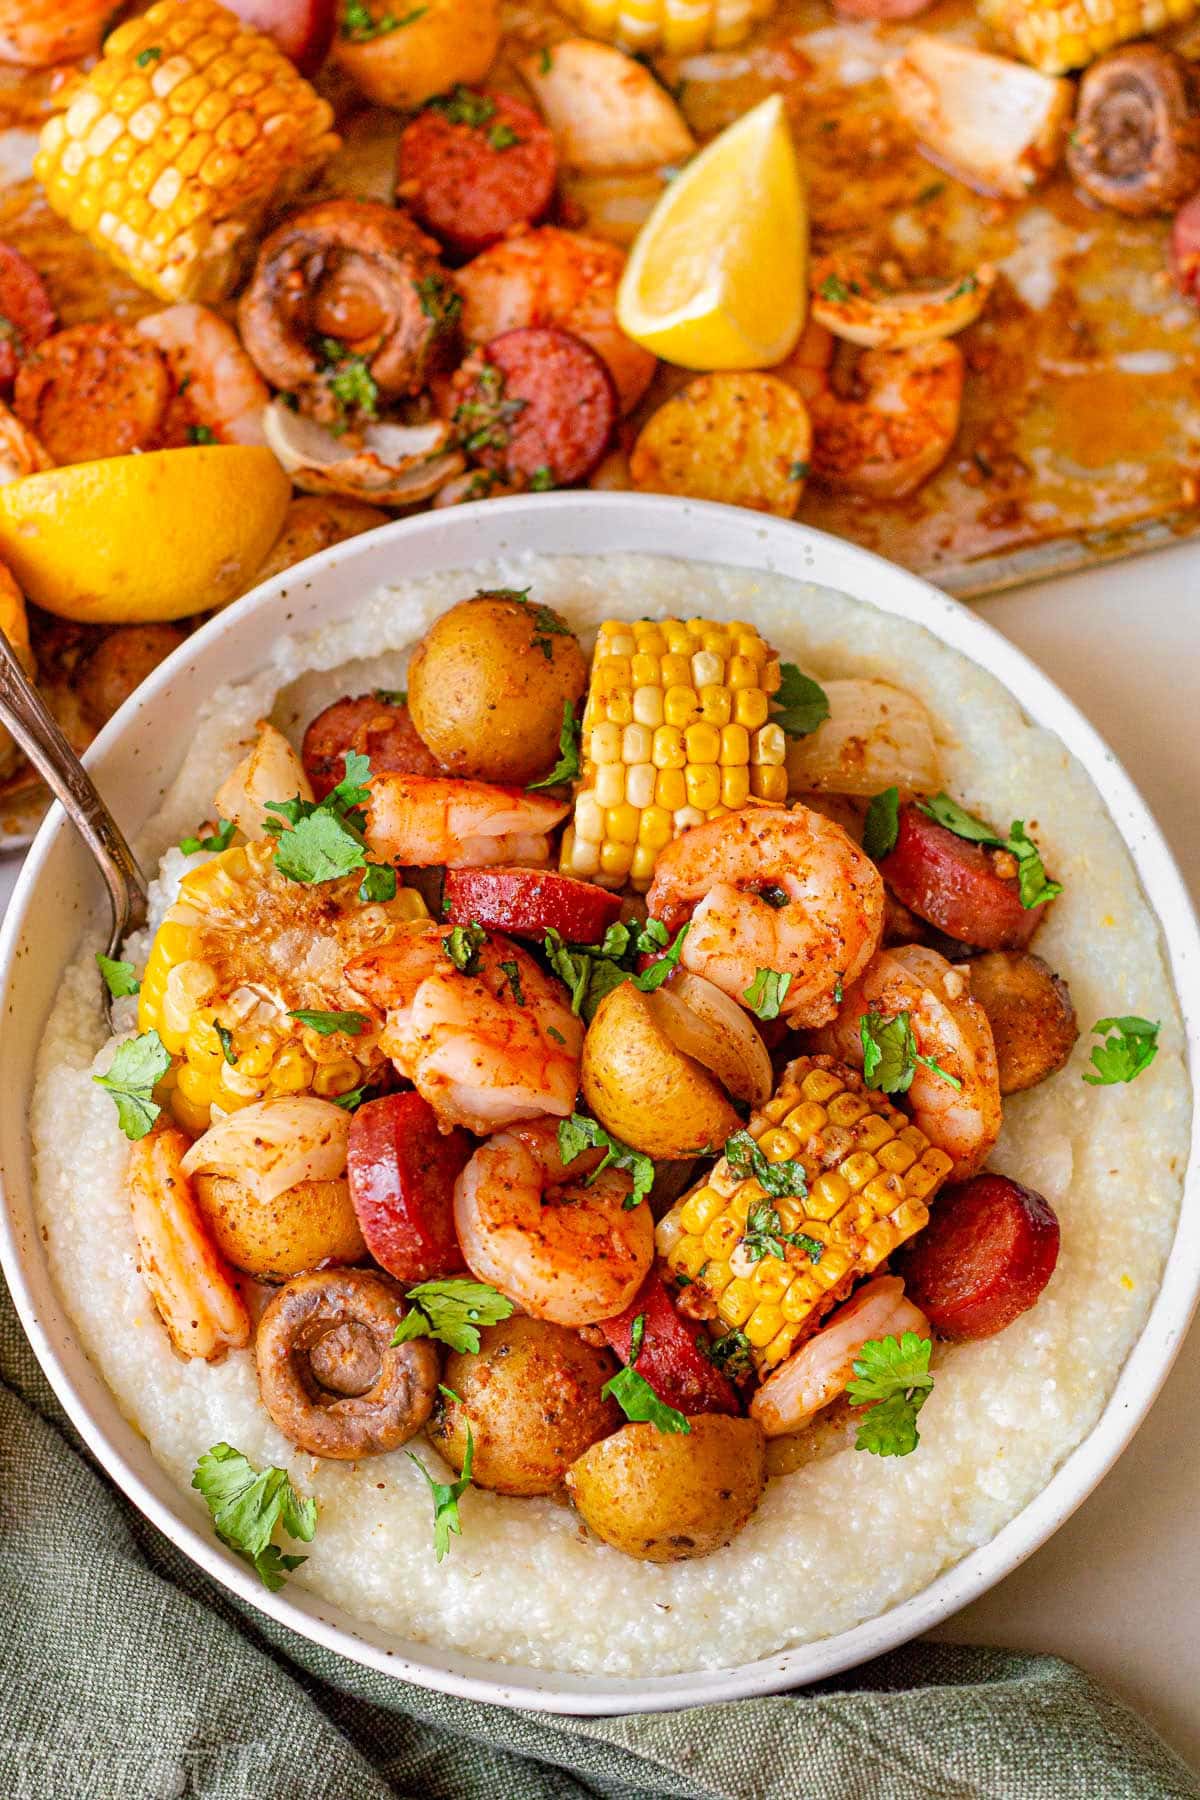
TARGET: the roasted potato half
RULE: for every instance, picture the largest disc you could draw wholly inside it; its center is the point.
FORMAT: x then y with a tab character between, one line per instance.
532	1400
643	1089
1030	1012
740	437
666	1496
307	1225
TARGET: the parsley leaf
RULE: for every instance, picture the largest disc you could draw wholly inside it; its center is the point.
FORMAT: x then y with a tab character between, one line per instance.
352	1098
502	137
452	1310
378	884
782	1180
834	289
802	703
220	839
120	978
201	434
150	54
464	107
349	379
462	944
890	1054
591	971
579	1133
892	1377
439	302
359	26
639	1402
1130	1047
882	824
637	1332
1031	873
139	1064
730	1354
567	766
513	973
767	993
542	480
326	1023
326	836
764	1236
446	1496
247	1504
225	1037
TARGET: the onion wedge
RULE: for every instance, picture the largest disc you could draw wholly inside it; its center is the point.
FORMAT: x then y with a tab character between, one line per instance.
271	771
853	307
272	1145
606	110
876	736
395	465
714	1030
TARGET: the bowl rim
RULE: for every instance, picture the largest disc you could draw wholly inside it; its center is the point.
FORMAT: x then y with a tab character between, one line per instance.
618	524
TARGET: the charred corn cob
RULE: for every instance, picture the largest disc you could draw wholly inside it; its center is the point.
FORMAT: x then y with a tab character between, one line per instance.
172	148
871	1174
675	26
240	950
1057	35
675	731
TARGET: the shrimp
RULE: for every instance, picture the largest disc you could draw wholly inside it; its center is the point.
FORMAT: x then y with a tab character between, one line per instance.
554	277
36	33
20	452
813	1376
225	392
951	1029
784	891
562	1245
190	1283
895	425
485	1048
420	821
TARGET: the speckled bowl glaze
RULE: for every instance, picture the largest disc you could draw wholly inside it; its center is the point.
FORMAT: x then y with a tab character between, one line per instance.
139	753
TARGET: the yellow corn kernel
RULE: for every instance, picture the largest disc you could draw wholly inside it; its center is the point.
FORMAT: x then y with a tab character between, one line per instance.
703	783
735	746
610	783
670	791
702	742
735	787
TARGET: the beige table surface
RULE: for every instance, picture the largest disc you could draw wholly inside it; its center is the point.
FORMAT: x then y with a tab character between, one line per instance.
1118	1588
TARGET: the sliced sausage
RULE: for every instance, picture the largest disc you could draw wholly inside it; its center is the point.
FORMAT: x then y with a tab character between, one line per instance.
962	888
470	176
537	405
670	1357
26	315
375	727
1030	1012
401	1170
530	902
93	391
1185	248
985	1256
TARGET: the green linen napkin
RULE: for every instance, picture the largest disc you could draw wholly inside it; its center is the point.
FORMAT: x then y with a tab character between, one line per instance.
126	1675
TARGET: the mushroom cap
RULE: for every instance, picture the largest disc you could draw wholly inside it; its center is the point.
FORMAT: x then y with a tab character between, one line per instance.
1136	142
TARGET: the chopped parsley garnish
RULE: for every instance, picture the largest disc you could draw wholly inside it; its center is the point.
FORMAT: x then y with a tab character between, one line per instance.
730	1354
834	289
1031	873
439	300
1130	1047
483	421
890	1054
774	895
149	55
639	1402
782	1180
542	479
513	975
452	1311
545	61
967	285
567	766
326	836
201	434
120	978
326	1023
464	107
138	1066
882	824
462	944
892	1378
359	24
392	696
637	1332
220	839
349	379
801	703
226	1040
579	1133
247	1504
350	1100
798	471
553	1032
929	193
764	1236
502	137
378	884
593	970
446	1496
767	993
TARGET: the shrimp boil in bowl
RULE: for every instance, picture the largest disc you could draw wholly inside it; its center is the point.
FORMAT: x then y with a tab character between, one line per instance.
786	893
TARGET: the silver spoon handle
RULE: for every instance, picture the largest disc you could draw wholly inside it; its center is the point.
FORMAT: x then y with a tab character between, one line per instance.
35	729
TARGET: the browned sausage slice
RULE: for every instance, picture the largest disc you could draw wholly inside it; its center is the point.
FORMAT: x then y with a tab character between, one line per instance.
960	887
537	405
95	391
983	1259
376	727
26	315
472	167
1030	1012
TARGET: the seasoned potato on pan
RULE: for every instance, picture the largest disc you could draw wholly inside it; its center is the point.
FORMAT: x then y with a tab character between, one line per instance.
665	1496
442	44
743	438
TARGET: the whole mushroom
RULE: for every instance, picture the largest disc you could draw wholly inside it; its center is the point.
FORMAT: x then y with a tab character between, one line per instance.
1136	141
328	1372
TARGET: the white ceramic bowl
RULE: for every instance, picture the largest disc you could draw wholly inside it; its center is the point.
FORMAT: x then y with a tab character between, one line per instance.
138	754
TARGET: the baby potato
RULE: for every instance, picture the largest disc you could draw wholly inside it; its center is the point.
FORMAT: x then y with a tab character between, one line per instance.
309	1224
532	1400
488	684
643	1089
740	437
666	1496
442	43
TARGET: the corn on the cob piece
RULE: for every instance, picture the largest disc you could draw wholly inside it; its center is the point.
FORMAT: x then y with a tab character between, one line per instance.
675	731
241	948
173	147
675	26
871	1174
1058	35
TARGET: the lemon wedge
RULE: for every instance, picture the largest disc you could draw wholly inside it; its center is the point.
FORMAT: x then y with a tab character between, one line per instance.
717	277
131	539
